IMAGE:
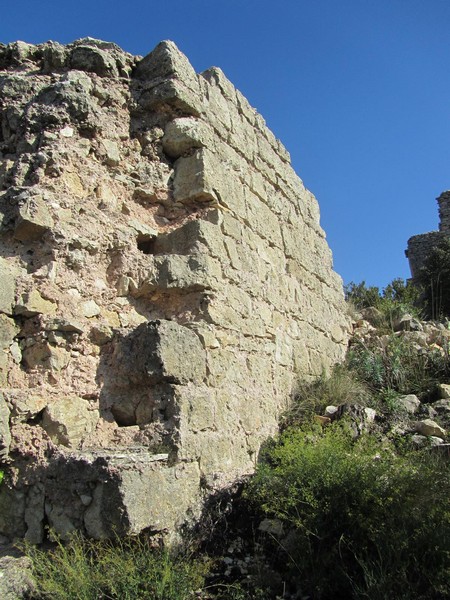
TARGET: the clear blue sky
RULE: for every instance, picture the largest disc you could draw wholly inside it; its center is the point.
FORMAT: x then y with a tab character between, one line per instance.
357	90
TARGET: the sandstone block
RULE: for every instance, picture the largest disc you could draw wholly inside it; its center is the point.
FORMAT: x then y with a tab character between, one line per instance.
409	403
33	220
111	153
159	351
184	134
195	178
145	496
187	273
262	220
32	304
7	287
68	420
8	330
190	238
165	61
94	60
429	427
171	79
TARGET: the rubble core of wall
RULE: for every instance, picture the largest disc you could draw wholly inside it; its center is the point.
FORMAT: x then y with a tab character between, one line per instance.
165	283
420	246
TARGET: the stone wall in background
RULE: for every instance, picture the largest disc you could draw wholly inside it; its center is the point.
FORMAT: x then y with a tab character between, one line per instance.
165	284
420	246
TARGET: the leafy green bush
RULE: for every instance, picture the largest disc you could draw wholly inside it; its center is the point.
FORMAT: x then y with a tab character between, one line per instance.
123	569
363	521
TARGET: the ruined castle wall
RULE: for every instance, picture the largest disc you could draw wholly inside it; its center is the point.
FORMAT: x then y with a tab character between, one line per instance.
166	284
444	211
420	246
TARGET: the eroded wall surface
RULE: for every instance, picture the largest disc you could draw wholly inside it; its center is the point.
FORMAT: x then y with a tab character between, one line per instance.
165	283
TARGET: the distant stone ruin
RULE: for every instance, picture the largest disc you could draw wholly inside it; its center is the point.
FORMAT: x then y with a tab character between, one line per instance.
420	246
165	284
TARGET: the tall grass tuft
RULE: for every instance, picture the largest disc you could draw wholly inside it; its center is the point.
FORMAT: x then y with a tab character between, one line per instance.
120	569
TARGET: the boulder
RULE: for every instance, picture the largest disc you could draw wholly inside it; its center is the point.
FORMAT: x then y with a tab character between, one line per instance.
94	60
442	407
16	578
331	411
409	403
444	390
407	323
428	428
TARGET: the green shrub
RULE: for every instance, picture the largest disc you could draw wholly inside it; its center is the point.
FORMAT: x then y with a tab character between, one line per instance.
123	569
362	296
364	521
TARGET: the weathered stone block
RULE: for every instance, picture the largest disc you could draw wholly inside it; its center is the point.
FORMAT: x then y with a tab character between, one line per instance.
8	330
7	286
159	351
196	178
94	60
187	273
165	61
24	405
170	79
184	134
33	220
191	238
32	304
144	496
68	420
111	153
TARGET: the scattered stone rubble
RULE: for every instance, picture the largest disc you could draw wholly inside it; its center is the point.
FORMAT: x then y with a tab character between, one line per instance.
164	281
414	418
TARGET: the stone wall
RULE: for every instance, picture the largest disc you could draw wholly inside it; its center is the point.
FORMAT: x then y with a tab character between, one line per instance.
420	246
165	286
